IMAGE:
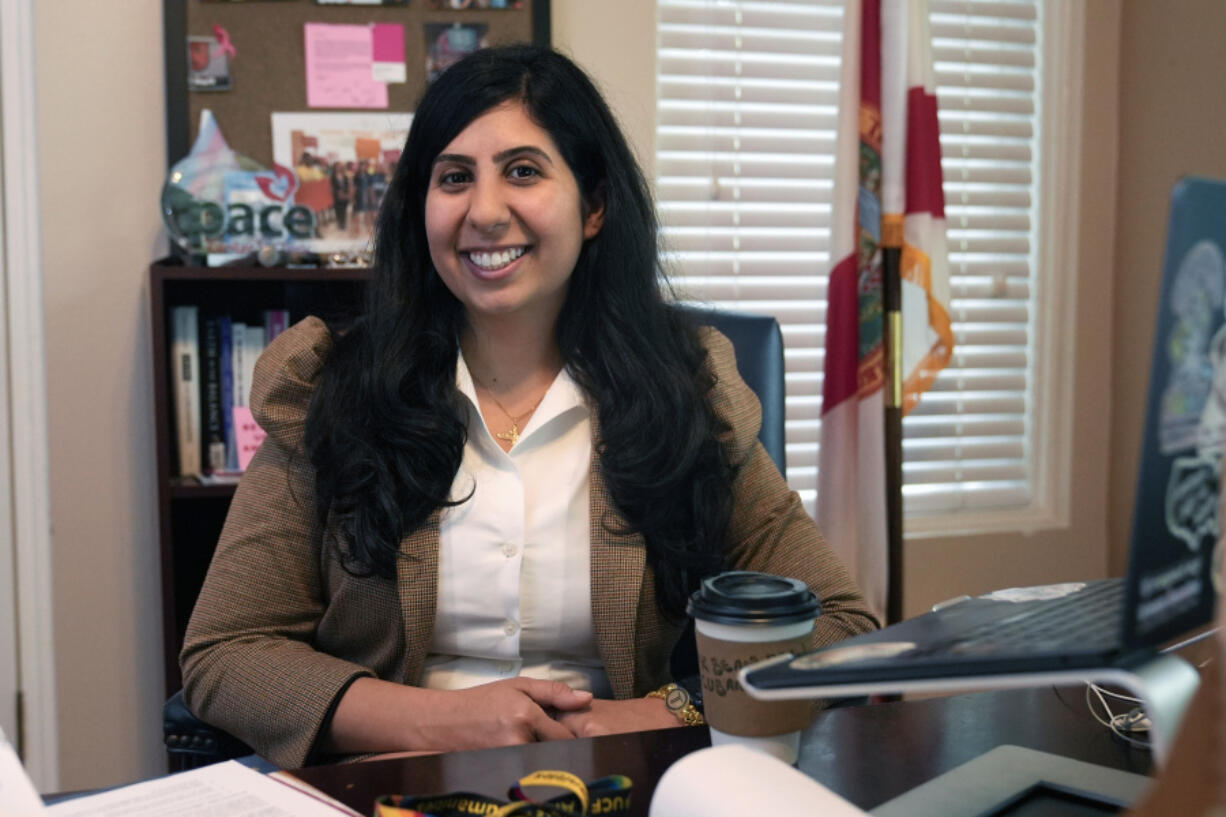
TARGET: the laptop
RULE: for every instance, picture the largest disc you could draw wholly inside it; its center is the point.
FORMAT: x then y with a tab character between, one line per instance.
1075	630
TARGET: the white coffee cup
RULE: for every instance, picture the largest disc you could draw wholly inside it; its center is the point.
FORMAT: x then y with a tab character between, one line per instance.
742	618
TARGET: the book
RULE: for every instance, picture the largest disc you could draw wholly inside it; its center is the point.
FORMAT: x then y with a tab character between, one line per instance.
238	339
248	434
227	392
253	347
276	321
215	357
185	362
213	433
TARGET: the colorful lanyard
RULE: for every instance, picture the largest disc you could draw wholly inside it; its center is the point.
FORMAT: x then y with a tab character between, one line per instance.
606	796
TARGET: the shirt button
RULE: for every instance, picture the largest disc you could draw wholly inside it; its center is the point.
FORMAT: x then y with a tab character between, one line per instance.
506	667
509	550
510	628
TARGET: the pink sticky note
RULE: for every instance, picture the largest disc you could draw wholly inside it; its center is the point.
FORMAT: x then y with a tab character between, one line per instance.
247	435
388	42
387	45
339	67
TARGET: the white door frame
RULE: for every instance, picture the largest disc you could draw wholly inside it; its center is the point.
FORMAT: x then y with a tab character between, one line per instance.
9	685
27	391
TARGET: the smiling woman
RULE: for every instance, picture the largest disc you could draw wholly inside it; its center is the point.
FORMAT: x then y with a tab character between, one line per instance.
505	221
479	512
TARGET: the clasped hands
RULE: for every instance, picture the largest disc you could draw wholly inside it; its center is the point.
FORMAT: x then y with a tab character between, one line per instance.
501	713
525	710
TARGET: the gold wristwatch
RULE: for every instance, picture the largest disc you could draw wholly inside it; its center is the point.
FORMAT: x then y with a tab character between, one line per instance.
678	702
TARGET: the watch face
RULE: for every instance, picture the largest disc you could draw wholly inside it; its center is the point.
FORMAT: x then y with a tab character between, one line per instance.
677	699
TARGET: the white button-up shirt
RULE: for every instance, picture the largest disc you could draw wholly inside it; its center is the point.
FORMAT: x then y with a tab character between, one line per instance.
514	590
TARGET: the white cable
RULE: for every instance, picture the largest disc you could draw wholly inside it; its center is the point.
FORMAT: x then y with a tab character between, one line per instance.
1116	722
1119	695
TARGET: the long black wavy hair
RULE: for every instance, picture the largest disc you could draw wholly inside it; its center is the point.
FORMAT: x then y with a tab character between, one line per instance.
386	428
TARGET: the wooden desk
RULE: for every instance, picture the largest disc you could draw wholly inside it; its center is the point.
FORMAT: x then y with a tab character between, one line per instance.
868	754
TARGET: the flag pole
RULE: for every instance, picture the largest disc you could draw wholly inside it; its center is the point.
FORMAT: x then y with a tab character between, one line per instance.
891	258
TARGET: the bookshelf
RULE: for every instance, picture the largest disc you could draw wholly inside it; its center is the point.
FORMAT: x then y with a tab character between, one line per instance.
191	514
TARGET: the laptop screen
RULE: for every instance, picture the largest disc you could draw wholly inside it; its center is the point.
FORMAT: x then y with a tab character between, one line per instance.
1176	529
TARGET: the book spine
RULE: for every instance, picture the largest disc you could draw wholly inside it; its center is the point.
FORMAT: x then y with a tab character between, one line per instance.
227	392
238	335
253	347
185	350
276	321
213	436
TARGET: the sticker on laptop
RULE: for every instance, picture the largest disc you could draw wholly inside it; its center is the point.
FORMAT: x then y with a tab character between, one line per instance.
857	652
1044	592
1190	407
1192	498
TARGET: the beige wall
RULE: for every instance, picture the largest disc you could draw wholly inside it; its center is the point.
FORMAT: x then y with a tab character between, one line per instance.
1173	123
101	125
615	42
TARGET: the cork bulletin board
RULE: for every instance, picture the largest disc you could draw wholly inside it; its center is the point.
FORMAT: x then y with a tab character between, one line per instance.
268	70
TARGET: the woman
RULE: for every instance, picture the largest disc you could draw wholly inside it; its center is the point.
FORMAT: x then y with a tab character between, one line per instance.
363	202
479	512
342	193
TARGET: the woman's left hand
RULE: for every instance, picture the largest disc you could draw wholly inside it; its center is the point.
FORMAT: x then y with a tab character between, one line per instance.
606	717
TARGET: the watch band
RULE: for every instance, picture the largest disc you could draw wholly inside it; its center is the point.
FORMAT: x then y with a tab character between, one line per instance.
678	702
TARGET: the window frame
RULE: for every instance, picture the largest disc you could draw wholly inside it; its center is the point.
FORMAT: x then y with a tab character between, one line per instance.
1055	306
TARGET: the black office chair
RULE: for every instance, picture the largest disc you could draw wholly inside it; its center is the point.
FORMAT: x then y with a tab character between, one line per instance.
758	343
192	743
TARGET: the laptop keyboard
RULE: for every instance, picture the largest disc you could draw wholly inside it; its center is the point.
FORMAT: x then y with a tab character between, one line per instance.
1088	620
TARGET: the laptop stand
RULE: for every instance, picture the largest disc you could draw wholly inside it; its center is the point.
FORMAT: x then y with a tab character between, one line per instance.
1165	685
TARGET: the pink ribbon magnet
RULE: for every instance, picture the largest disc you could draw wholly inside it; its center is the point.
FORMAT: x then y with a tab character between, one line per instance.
223	41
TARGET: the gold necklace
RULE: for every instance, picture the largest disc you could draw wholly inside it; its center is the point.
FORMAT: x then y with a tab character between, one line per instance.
512	436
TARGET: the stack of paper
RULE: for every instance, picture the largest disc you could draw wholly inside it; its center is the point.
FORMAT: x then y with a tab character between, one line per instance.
228	788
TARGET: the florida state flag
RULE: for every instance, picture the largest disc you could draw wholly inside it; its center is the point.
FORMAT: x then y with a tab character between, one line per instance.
887	182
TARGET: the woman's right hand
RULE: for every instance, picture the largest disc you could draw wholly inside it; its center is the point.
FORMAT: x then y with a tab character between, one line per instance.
380	716
503	713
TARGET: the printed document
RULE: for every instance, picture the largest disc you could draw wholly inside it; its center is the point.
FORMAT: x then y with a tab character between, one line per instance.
229	789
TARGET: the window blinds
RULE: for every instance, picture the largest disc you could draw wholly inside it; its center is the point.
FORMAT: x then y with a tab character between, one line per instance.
747	107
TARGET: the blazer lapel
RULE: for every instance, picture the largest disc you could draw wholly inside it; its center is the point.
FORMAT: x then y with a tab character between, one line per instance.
417	584
617	579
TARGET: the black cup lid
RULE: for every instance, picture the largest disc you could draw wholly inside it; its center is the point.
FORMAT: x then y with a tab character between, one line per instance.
756	599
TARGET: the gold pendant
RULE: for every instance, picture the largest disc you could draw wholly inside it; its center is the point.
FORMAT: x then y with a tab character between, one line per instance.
511	436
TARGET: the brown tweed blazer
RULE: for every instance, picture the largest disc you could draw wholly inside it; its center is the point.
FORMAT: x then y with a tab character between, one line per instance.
280	628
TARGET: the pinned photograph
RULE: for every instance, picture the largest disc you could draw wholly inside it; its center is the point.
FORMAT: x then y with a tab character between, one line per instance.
344	163
448	43
458	5
208	65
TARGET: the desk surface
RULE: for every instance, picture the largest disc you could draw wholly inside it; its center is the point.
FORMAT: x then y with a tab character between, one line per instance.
868	754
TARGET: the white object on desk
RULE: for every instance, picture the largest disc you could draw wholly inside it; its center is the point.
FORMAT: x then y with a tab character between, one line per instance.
228	788
18	797
735	780
1014	777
